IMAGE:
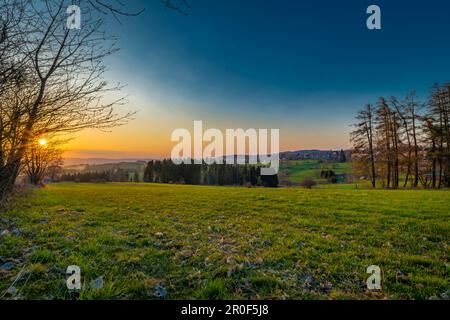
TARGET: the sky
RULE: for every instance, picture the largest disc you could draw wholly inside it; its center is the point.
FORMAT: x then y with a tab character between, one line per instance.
304	67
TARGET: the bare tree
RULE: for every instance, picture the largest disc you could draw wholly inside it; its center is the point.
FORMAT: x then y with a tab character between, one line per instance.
385	140
182	7
11	13
363	141
410	138
405	124
439	114
430	141
52	77
40	156
408	112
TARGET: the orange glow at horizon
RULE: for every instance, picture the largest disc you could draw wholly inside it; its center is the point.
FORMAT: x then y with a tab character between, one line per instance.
145	142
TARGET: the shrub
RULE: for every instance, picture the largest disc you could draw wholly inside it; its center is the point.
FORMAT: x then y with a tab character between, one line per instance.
308	183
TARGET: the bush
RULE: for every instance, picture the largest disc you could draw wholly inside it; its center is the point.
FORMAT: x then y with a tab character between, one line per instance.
308	183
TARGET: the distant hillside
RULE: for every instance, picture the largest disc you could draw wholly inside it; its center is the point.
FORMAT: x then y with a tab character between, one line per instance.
68	162
127	165
332	155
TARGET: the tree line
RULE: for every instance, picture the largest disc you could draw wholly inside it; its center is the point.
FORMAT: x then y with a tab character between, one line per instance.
404	143
114	175
165	171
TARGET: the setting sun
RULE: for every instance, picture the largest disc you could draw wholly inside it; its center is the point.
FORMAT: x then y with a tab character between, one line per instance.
42	142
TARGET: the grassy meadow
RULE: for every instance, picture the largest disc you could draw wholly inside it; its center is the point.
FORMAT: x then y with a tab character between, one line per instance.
297	170
151	241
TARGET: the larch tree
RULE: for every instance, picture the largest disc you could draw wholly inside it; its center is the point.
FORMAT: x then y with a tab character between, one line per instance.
362	138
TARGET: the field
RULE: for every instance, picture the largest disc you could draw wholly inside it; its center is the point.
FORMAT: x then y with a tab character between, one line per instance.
297	170
150	241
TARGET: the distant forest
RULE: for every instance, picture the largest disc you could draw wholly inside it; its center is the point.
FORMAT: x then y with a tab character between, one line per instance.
165	171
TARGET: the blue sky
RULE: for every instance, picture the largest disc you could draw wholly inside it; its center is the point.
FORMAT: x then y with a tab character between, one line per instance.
305	67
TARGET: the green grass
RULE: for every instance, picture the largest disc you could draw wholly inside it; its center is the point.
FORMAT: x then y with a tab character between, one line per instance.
297	170
149	240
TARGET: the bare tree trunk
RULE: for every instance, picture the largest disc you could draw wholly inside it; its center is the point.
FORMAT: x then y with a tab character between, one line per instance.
363	143
433	169
8	175
402	114
395	140
372	163
387	128
371	151
416	150
441	151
